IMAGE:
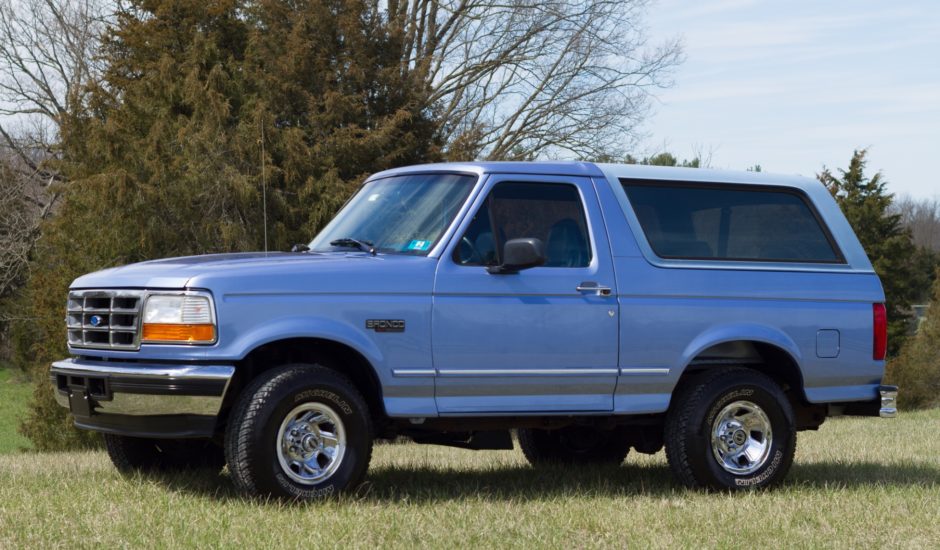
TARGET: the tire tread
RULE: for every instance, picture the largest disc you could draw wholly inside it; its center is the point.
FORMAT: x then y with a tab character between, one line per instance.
254	398
688	400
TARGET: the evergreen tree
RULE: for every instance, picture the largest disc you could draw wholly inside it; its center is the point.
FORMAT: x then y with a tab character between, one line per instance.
168	159
337	106
664	159
153	171
867	205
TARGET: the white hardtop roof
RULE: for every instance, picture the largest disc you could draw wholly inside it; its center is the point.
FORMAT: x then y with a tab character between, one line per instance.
612	172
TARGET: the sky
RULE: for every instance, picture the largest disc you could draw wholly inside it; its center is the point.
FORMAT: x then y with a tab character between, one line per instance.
796	85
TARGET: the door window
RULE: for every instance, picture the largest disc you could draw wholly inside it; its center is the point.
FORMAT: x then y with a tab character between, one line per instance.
550	212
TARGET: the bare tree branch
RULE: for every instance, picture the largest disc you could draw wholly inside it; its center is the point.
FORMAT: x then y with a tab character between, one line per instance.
48	52
529	78
922	216
21	202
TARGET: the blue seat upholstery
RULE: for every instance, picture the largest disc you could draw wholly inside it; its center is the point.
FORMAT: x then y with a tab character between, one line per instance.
567	245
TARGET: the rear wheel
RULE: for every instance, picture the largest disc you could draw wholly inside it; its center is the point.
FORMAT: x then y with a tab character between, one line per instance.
731	430
573	445
299	432
130	454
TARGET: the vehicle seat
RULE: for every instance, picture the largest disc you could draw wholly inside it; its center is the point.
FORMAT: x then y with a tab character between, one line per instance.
486	247
566	246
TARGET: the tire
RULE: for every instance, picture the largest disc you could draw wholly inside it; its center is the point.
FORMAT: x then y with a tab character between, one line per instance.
574	445
299	432
136	454
750	412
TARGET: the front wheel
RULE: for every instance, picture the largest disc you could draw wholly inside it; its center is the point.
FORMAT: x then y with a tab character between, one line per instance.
299	432
730	430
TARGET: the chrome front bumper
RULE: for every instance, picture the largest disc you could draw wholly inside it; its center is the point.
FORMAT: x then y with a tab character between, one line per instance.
141	399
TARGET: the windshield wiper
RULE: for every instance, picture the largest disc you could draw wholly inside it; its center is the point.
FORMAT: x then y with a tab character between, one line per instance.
364	246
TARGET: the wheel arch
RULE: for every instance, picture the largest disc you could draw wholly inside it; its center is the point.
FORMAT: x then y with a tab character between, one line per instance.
328	352
759	347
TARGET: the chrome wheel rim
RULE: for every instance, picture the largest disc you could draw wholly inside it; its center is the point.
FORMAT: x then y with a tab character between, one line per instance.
311	443
741	438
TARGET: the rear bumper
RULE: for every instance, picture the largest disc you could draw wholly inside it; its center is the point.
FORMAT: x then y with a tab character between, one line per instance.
884	406
141	399
889	401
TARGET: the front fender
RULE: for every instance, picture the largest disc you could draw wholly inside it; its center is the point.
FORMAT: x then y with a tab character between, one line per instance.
305	327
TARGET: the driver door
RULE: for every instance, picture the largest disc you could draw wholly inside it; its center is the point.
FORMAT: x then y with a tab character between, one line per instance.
543	339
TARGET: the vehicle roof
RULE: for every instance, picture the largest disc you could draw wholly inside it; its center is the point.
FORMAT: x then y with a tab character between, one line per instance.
612	172
558	168
828	209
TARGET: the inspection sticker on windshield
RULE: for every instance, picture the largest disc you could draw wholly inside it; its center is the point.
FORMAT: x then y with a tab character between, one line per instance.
419	245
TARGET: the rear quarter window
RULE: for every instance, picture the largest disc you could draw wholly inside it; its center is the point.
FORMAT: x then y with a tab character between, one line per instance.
730	222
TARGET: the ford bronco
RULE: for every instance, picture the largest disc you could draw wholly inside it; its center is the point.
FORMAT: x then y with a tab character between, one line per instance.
592	308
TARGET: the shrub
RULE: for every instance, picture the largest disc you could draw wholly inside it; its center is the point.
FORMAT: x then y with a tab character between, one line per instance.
916	370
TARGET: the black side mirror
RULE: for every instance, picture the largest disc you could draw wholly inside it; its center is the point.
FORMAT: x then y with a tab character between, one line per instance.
519	254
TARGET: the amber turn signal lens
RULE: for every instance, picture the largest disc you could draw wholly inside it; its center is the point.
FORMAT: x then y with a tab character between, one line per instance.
163	332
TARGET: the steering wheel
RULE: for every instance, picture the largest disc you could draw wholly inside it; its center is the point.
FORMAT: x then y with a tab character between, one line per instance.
475	256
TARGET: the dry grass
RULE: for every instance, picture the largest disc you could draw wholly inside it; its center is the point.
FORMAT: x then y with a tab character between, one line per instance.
856	483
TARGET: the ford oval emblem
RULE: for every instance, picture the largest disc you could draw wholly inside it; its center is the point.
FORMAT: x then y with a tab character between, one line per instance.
96	320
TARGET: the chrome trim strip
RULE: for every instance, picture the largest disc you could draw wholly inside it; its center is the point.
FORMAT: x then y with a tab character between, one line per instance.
159	372
139	404
413	372
147	404
526	372
660	371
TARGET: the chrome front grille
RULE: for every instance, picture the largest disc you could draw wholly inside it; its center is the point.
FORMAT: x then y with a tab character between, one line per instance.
104	319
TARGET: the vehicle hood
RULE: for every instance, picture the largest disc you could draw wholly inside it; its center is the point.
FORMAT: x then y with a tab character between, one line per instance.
256	270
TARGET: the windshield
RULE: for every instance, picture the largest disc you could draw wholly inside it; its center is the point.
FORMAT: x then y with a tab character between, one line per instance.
397	215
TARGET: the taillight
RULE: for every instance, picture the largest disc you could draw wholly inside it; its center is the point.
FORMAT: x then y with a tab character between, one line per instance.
880	334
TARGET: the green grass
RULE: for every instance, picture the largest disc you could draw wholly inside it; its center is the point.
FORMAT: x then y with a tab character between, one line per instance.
14	398
856	483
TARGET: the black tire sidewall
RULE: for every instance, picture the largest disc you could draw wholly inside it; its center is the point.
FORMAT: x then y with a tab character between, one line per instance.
701	457
287	395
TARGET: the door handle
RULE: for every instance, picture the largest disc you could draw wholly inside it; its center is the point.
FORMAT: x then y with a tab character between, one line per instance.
591	286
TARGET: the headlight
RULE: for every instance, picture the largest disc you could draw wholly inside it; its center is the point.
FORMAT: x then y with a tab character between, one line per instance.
178	318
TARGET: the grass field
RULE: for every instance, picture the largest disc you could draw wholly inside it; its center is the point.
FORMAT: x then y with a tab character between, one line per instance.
14	396
856	483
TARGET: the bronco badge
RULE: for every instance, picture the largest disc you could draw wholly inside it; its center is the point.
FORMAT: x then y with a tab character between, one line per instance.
386	325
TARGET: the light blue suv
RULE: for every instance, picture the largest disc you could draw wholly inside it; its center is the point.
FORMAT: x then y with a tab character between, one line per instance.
591	308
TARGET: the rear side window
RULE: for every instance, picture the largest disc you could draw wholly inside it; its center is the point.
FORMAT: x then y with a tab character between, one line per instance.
716	222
